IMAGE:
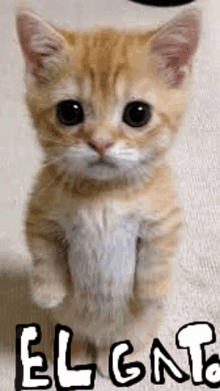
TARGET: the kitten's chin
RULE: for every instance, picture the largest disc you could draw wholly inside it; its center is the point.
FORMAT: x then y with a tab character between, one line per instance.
103	169
109	170
102	162
101	172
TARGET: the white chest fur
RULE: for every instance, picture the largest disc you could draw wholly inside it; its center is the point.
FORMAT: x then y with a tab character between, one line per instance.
102	253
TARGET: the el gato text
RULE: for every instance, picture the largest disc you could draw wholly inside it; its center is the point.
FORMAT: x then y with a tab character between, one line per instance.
193	337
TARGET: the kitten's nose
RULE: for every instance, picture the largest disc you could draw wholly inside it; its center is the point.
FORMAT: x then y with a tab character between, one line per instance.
100	146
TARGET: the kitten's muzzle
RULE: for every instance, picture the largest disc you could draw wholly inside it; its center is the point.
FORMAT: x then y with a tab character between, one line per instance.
100	146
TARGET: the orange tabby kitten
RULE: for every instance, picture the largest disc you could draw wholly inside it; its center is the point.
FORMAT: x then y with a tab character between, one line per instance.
103	219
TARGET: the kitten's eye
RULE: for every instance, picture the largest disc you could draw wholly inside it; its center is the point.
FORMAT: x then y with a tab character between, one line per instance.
70	112
137	114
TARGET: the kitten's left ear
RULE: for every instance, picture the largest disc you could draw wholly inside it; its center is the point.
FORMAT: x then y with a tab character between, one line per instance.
173	46
41	45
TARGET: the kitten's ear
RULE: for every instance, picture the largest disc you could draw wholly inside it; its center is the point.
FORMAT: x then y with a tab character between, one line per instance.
41	44
174	45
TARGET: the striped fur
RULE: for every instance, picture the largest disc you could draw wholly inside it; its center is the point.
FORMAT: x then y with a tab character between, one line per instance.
102	238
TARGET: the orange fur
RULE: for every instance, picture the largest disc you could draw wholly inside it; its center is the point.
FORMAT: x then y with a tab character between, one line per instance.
74	209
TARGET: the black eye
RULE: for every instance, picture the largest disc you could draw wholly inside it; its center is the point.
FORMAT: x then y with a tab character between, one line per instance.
70	112
137	114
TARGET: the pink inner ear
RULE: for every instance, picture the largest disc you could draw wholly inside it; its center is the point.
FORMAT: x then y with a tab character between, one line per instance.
27	31
171	58
174	47
37	41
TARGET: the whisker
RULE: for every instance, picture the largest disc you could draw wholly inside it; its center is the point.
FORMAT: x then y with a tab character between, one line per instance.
49	163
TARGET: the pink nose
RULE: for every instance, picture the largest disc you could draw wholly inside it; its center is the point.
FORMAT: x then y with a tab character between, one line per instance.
100	146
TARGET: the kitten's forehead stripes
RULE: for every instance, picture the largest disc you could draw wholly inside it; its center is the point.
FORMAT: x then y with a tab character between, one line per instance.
103	59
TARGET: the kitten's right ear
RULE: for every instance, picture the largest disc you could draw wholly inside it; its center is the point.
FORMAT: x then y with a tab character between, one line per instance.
174	45
41	45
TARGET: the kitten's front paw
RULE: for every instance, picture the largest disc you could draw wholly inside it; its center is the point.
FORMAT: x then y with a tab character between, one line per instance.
47	295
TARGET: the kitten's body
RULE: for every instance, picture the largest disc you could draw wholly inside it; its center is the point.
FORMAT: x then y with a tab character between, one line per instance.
102	229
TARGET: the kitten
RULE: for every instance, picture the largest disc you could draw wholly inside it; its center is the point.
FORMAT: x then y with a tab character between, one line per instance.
103	219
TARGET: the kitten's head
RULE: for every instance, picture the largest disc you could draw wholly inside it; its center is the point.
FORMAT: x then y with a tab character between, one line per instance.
106	104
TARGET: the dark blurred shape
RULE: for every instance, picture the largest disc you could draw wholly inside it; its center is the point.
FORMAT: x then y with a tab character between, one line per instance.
163	3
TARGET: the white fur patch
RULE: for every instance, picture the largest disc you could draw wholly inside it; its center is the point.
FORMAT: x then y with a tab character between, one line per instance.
102	254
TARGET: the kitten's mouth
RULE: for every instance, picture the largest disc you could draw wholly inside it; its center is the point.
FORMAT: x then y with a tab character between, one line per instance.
102	162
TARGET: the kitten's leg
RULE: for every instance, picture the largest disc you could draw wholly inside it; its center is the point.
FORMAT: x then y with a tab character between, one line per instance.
151	287
102	361
154	255
140	331
50	282
80	352
152	284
